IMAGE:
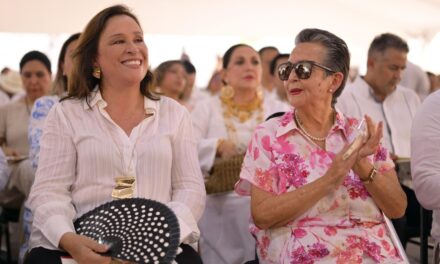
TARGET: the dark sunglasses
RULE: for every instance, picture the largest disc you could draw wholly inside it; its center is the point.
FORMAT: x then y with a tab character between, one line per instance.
303	69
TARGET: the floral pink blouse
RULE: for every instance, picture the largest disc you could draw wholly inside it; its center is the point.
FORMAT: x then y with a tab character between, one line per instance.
343	227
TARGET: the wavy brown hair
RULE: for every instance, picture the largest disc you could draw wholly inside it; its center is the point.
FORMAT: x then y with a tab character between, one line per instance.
82	82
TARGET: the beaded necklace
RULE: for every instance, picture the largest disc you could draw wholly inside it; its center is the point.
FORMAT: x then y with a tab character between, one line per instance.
307	134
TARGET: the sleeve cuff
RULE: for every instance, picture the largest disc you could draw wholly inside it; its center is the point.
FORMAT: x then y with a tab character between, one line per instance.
56	227
189	231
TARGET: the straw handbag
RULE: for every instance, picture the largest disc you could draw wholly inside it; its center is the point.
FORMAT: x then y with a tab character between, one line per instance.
224	175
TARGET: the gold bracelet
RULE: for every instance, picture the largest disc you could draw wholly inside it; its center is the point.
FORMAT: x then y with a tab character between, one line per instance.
370	177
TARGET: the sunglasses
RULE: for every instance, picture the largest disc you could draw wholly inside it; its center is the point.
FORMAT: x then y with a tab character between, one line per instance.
303	69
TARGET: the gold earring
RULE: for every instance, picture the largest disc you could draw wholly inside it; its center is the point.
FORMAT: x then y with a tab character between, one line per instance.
260	92
227	92
96	72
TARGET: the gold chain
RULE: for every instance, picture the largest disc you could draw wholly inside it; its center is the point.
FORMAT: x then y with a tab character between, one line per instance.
242	112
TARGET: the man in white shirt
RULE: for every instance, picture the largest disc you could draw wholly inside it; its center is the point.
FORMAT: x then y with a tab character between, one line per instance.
379	95
425	160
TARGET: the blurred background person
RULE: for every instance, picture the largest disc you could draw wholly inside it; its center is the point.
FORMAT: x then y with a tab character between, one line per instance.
414	78
278	84
38	115
434	82
224	124
215	83
380	95
35	70
311	203
11	86
191	95
4	170
266	55
43	105
170	79
425	162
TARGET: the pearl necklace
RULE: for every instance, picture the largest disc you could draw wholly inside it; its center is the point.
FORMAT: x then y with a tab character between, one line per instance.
303	130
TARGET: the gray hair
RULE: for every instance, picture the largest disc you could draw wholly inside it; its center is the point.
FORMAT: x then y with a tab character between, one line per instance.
338	56
385	41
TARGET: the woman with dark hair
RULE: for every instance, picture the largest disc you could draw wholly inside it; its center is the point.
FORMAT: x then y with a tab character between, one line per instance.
224	125
44	104
35	71
39	113
316	198
112	129
170	79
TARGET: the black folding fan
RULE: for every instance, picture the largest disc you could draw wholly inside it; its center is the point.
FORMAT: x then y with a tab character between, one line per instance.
137	230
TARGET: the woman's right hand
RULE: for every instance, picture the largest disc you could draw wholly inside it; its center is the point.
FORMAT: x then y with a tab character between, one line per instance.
83	249
226	149
340	167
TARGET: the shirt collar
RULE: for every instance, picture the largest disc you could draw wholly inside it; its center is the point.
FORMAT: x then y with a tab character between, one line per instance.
95	98
287	124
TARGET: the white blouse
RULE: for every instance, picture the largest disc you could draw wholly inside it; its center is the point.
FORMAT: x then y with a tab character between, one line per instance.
209	126
80	157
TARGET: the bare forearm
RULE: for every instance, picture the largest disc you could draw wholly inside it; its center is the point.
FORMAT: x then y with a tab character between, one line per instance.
278	210
385	190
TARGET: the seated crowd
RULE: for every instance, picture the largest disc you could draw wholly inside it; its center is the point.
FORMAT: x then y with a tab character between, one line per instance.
280	159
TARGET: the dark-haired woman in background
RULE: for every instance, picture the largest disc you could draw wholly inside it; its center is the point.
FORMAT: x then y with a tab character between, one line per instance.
36	121
112	128
35	70
224	126
44	104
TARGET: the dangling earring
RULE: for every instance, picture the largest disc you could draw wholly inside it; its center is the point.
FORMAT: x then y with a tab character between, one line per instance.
260	92
227	92
96	72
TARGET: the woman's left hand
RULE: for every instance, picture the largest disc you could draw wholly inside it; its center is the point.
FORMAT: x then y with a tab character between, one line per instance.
371	143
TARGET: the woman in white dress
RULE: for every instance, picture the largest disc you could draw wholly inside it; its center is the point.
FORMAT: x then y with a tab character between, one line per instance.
224	125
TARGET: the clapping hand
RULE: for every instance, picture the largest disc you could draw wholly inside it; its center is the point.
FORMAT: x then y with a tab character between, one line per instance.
372	139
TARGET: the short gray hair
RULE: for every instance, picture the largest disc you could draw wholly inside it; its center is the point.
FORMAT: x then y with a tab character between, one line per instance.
386	41
338	56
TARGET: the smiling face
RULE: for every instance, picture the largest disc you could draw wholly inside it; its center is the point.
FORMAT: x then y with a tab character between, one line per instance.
243	71
314	90
122	53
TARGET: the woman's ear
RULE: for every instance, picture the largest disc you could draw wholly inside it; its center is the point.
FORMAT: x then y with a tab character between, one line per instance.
338	77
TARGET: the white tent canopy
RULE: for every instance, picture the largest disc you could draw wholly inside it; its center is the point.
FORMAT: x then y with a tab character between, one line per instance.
253	21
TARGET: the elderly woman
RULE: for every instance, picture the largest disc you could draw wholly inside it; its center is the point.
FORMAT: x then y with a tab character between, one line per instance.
311	203
224	125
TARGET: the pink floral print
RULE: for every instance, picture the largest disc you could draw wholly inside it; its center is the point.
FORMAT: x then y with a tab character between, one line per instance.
345	227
